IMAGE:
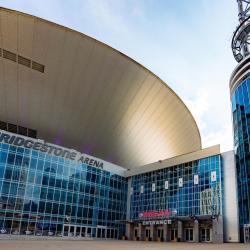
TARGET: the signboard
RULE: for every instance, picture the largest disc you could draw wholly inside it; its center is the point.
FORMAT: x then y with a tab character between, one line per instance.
155	214
213	176
153	187
196	179
180	182
142	189
166	184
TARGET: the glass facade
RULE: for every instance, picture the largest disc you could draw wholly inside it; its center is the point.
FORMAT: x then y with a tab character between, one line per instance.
241	126
42	194
190	189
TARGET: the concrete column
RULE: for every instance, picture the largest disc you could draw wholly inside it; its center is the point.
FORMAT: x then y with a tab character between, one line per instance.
165	232
180	230
169	233
153	232
129	231
217	235
196	231
141	232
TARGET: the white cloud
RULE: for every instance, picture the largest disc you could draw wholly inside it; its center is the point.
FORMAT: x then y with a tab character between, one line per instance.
223	137
199	106
202	109
107	13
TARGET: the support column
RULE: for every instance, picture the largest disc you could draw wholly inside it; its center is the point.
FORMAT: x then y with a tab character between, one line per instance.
169	232
153	232
165	232
129	231
141	232
180	231
217	234
196	231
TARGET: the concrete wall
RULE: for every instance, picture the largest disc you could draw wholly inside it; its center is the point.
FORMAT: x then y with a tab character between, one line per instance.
231	221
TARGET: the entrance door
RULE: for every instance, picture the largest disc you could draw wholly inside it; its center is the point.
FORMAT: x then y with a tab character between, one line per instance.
66	230
88	232
83	232
78	231
136	233
103	233
99	232
148	233
160	234
246	234
189	234
69	230
205	235
72	231
174	234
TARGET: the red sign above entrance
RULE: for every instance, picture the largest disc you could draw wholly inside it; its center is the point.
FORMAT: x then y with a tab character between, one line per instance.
155	214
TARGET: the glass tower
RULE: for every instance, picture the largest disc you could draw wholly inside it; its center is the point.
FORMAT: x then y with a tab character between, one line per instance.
241	126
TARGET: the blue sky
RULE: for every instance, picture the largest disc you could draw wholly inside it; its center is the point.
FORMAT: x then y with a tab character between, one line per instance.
185	42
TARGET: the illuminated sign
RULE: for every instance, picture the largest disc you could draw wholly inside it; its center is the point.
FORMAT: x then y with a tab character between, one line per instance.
155	214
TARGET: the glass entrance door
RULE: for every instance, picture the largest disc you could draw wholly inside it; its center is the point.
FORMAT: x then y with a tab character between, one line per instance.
74	231
66	230
101	233
160	234
104	233
246	234
174	234
189	234
205	235
136	234
78	232
147	233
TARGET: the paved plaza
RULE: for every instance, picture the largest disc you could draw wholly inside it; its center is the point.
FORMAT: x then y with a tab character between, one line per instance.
109	245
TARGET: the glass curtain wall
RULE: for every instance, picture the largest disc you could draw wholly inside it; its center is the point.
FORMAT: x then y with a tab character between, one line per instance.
46	195
189	189
241	126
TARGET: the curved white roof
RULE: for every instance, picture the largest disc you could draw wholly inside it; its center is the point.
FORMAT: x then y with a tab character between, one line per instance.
90	96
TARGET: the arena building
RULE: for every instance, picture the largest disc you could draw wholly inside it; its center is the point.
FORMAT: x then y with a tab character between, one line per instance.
93	144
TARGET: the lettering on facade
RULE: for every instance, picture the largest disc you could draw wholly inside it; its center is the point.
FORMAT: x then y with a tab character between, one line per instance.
49	149
156	222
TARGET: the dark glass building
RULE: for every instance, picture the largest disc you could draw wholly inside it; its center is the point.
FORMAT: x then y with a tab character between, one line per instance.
241	126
